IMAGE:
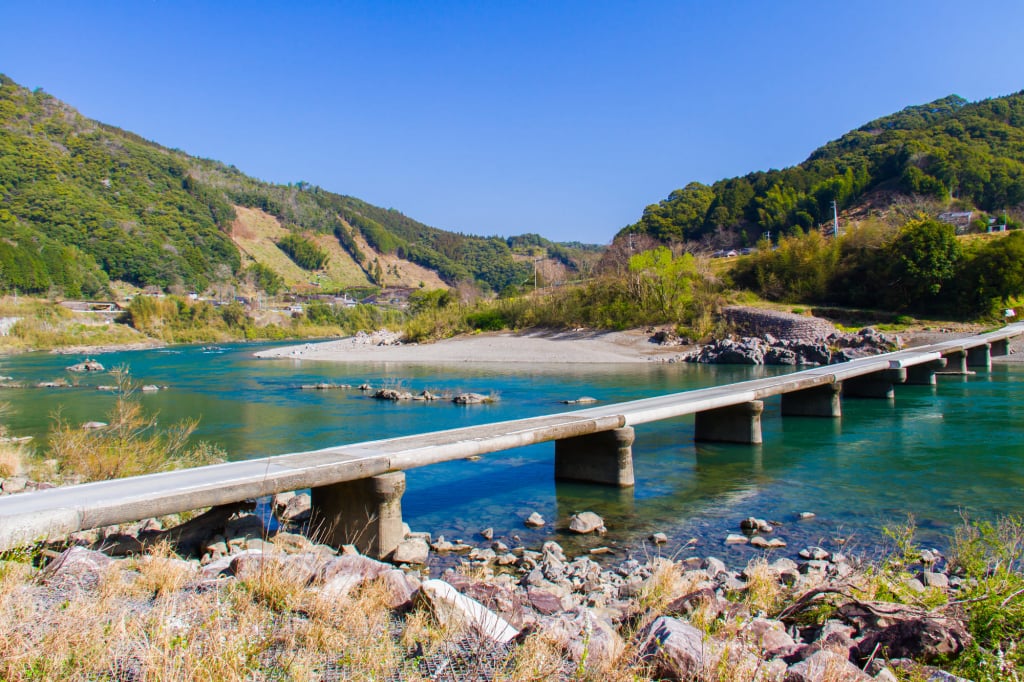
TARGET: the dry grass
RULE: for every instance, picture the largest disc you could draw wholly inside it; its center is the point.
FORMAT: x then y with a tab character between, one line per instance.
130	445
539	659
763	590
161	571
665	584
12	459
140	619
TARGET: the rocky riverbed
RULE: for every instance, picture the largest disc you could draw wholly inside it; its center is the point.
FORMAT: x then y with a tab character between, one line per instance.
818	617
769	350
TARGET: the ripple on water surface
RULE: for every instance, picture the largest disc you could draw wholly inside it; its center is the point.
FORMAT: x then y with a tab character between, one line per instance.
935	453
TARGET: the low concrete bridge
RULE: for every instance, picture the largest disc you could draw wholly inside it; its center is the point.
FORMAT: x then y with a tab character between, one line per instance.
357	488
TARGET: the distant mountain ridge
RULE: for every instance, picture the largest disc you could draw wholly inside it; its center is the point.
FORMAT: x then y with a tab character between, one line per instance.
84	203
970	155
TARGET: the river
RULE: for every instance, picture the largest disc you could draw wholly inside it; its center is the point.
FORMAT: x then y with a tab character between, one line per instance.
936	453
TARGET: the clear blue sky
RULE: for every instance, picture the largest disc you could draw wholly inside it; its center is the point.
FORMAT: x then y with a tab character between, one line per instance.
563	118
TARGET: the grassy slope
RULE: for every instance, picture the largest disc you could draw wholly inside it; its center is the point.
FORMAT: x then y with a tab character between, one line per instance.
409	274
256	233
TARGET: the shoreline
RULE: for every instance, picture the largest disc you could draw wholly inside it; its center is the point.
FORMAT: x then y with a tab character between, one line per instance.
539	347
533	346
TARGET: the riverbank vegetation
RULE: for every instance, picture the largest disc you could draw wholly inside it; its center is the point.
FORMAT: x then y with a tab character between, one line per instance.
130	443
919	267
295	610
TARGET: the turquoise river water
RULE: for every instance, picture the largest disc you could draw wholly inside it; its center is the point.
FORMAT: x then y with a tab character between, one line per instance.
936	453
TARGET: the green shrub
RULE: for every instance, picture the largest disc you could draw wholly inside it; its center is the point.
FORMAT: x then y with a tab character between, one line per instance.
990	559
130	444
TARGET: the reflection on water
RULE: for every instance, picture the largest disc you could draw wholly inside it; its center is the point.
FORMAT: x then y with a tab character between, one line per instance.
934	452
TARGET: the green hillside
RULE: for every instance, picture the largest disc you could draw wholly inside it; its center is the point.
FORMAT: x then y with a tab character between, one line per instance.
84	203
971	155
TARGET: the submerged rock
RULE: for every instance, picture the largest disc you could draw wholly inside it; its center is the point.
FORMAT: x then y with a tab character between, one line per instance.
534	520
586	522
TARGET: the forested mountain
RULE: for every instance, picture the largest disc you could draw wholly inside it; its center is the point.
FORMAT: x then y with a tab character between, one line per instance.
948	149
84	203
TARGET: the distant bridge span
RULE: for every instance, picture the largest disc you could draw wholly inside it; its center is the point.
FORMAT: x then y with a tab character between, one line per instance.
357	488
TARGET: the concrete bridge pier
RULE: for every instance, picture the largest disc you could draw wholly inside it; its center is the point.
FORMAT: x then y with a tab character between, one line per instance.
924	374
956	363
980	356
733	424
1000	348
819	401
604	457
366	513
877	385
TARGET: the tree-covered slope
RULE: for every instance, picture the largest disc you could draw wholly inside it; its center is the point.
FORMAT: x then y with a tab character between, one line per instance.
83	202
946	149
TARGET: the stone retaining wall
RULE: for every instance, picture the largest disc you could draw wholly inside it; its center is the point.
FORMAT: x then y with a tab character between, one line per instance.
787	326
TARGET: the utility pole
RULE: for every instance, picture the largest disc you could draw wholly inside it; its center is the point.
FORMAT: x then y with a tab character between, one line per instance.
835	220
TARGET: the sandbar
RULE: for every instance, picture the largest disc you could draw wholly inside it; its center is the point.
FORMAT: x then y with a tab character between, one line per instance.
527	347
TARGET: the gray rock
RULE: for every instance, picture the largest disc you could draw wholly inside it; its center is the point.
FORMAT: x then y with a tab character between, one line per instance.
932	579
450	608
412	551
77	565
482	555
731	584
217	547
915	585
885	675
688	604
925	639
221	566
659	538
814	553
826	665
545	602
281	500
552	550
487	534
675	649
296	568
534	520
734	539
769	636
713	566
814	566
442	545
783	564
337	577
585	638
15	484
471	399
586	522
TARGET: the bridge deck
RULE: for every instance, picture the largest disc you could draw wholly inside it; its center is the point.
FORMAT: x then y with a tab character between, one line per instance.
28	517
